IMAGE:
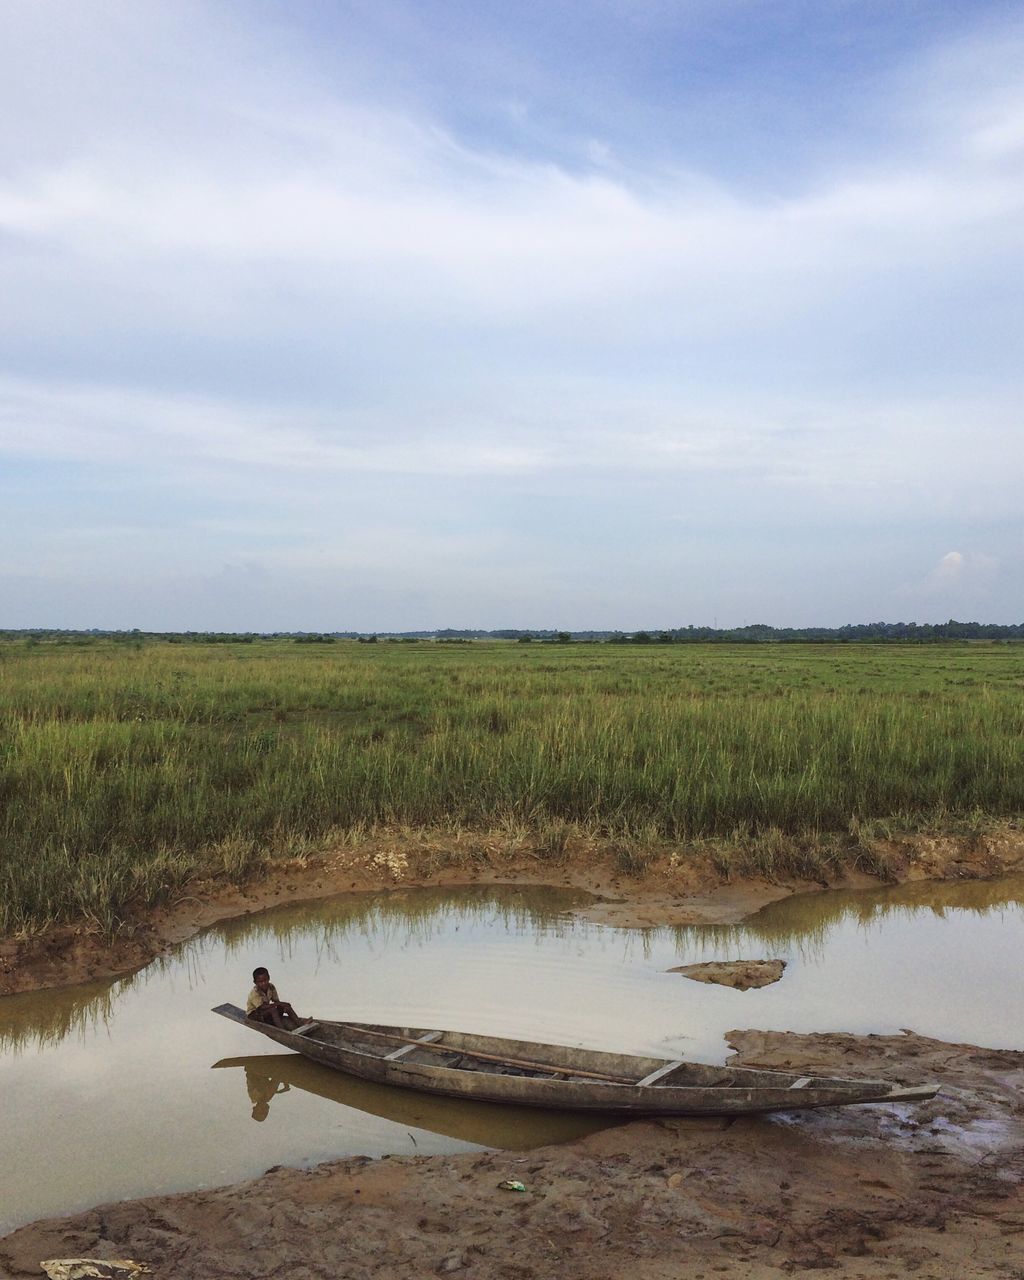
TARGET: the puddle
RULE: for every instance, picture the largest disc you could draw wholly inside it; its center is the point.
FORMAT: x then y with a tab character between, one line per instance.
133	1087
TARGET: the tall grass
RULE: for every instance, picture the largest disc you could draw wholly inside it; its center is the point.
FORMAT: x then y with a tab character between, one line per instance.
124	772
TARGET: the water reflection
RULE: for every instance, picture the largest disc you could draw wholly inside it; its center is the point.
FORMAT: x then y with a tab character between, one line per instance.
410	920
486	1124
405	920
40	1019
804	924
262	1087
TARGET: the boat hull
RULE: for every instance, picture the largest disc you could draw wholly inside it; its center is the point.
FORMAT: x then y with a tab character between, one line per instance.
558	1077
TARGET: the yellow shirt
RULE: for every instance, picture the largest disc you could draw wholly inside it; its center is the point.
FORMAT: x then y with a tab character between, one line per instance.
258	997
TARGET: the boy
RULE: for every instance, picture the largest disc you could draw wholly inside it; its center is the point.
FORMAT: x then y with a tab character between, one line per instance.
264	1005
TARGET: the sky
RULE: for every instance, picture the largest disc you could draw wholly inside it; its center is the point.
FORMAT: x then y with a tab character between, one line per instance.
400	314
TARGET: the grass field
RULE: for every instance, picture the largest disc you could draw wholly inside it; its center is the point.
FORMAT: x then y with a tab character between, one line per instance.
127	769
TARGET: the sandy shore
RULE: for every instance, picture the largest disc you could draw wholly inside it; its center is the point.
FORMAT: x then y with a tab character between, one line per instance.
936	1190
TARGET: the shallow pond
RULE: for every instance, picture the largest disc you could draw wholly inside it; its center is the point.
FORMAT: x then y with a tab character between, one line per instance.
132	1087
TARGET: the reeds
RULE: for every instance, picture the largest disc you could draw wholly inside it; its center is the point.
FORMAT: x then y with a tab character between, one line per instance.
126	772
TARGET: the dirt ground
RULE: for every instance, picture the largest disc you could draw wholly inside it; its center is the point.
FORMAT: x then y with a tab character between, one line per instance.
934	1189
741	975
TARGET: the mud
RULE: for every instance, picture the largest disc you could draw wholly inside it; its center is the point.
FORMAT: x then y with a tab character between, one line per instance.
741	975
933	1190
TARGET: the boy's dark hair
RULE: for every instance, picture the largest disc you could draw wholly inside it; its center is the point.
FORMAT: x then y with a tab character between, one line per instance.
256	972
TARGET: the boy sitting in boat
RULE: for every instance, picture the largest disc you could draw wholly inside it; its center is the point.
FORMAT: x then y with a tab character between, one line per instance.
265	1005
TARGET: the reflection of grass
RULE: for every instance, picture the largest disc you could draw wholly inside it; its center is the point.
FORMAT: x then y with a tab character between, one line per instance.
803	924
806	922
125	771
415	915
46	1018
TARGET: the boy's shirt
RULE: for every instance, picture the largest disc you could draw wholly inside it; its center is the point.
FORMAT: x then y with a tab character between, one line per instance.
258	997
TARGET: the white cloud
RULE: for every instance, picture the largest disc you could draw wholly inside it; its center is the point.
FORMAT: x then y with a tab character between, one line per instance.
225	267
363	203
956	568
765	458
950	567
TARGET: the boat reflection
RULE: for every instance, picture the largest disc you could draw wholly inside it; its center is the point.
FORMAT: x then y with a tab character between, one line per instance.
487	1124
262	1088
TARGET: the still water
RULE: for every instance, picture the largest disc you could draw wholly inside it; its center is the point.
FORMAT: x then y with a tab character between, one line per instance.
133	1087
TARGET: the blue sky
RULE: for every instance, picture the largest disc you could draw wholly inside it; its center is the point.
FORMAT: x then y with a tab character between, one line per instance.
399	315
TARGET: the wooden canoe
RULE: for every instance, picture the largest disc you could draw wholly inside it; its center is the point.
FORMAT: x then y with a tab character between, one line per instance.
526	1073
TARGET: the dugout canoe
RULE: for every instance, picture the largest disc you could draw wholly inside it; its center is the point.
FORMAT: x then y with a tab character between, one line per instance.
558	1077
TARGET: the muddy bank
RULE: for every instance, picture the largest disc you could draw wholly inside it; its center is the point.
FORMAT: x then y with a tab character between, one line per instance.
688	887
741	975
936	1190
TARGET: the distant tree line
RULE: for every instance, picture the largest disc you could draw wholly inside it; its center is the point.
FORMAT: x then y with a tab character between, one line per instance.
761	633
756	633
854	633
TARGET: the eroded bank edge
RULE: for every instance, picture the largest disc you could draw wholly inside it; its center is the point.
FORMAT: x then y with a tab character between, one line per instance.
694	886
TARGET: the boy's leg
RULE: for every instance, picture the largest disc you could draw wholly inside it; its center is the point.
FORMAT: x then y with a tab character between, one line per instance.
272	1013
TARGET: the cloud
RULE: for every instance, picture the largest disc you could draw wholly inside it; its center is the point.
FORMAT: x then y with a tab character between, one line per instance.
886	451
950	568
424	222
372	211
957	569
969	585
277	290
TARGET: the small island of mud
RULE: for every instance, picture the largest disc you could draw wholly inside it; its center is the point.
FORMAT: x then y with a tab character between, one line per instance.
741	975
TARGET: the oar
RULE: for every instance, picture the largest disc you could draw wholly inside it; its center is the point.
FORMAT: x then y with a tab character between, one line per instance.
488	1057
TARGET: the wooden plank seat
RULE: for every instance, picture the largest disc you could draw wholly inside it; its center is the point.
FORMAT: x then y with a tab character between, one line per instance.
655	1076
429	1038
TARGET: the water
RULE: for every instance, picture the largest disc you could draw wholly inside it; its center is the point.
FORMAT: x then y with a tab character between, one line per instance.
132	1087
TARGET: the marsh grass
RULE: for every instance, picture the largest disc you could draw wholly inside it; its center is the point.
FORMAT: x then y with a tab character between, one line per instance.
127	771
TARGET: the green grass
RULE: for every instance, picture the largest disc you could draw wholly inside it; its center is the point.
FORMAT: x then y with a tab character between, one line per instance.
127	770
